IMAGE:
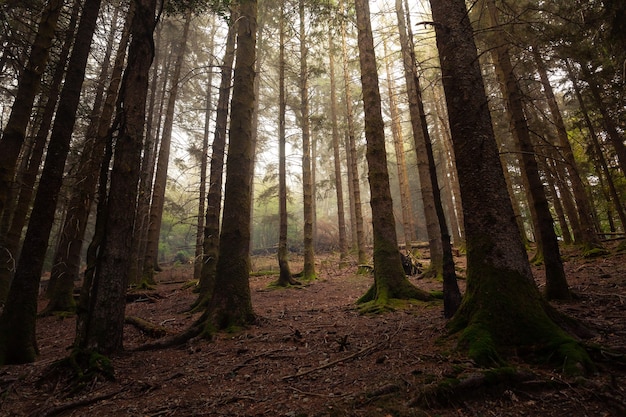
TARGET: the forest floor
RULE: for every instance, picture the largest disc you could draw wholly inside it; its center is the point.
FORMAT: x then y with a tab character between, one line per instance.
312	354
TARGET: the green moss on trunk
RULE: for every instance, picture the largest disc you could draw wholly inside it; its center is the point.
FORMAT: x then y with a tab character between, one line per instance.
503	311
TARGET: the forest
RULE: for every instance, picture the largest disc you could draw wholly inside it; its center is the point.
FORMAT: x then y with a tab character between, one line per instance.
312	207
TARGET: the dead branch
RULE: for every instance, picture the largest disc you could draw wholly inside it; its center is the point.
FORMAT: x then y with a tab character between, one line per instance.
335	362
153	330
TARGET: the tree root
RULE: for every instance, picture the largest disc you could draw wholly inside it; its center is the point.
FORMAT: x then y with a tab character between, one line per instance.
152	330
453	390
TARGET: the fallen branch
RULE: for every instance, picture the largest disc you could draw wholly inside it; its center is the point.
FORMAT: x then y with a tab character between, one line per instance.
153	330
53	411
335	362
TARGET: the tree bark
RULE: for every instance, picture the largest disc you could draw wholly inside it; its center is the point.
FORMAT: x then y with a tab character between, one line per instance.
151	263
421	138
27	89
214	196
502	307
17	323
353	175
341	221
65	269
10	242
308	274
398	141
284	278
230	304
581	221
204	156
547	242
389	278
100	321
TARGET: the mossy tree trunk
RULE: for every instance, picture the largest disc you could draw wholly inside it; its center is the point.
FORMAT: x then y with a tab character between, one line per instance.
230	305
502	307
100	322
547	243
389	278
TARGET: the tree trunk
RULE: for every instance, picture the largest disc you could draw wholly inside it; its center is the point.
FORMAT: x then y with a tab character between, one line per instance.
157	95
341	221
65	269
389	278
218	147
17	323
151	263
284	277
353	176
230	304
581	221
100	322
27	89
547	242
610	128
308	274
11	240
421	139
456	209
502	307
398	141
204	156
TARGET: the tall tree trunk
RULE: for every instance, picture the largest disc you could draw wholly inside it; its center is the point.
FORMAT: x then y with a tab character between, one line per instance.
17	323
389	278
456	209
100	322
353	176
28	87
284	277
591	244
65	269
558	205
421	137
204	156
230	304
502	307
547	242
151	262
398	141
146	176
610	127
11	240
581	221
218	147
602	168
341	221
308	273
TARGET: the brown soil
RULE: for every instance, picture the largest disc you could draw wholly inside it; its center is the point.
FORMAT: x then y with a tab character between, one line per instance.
312	354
